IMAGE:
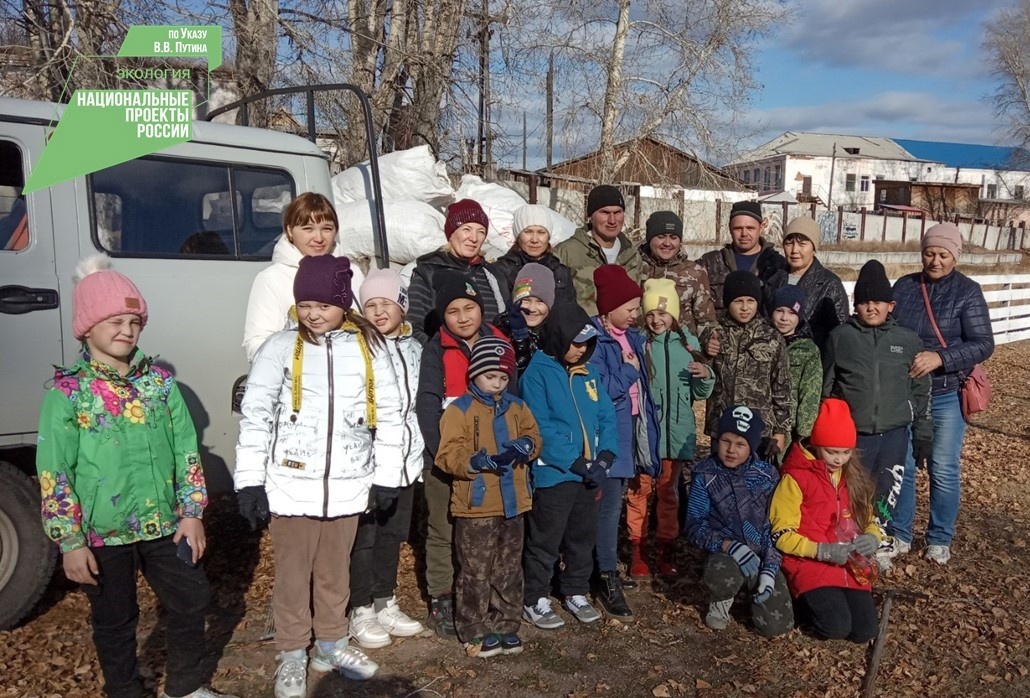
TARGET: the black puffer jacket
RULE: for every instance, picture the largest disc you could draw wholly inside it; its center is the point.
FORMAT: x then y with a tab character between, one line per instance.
719	263
506	268
422	291
826	305
961	313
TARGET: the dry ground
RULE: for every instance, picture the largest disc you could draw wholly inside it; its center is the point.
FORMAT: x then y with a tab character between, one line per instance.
955	631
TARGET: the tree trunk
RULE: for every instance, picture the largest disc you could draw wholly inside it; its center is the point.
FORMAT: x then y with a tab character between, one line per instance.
255	24
612	91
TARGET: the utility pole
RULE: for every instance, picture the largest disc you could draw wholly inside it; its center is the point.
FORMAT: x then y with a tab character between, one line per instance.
525	139
485	136
549	89
833	165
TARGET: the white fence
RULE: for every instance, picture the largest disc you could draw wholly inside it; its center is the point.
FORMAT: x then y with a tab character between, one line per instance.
1008	299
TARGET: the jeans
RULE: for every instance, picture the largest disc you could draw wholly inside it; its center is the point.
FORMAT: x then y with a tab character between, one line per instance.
183	592
377	547
883	456
949	431
563	521
608	512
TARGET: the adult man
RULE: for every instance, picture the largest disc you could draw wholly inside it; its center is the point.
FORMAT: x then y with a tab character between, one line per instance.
600	242
827	304
662	257
748	251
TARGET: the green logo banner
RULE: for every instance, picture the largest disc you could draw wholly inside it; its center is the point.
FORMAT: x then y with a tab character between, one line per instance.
102	128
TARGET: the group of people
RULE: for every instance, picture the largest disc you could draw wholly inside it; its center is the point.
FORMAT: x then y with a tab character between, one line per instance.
533	401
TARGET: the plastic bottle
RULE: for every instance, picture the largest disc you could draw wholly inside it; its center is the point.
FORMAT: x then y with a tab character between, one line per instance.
864	569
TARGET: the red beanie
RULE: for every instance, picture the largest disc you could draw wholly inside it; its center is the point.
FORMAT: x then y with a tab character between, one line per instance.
614	287
834	427
465	211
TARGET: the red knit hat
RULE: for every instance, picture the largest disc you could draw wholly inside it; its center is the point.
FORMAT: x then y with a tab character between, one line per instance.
465	211
614	287
834	427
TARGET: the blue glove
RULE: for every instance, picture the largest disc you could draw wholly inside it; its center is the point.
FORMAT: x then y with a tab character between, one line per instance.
517	323
524	446
745	559
766	584
482	463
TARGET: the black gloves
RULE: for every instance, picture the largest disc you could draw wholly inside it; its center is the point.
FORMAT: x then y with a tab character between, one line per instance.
385	498
922	450
253	503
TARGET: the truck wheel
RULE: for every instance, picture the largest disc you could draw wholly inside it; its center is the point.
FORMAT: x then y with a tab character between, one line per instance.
27	556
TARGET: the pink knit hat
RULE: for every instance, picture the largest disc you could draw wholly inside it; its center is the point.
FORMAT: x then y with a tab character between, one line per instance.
946	235
101	293
384	283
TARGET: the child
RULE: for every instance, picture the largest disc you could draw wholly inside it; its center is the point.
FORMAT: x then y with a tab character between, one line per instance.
375	615
806	368
322	408
487	436
677	380
728	517
123	487
821	515
442	380
532	296
571	409
751	365
617	359
867	363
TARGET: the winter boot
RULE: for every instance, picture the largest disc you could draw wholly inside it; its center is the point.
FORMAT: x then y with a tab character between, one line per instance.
609	595
638	568
666	567
441	617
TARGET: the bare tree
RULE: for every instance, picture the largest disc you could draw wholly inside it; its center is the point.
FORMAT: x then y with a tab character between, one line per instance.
256	30
1006	39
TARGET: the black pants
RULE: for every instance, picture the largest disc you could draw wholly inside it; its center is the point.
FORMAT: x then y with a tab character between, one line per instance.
839	614
883	455
563	521
373	561
183	592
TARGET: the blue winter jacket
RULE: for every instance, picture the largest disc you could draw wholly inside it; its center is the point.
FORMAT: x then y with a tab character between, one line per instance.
617	376
567	408
961	313
733	504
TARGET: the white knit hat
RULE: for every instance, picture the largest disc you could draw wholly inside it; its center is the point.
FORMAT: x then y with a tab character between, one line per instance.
531	214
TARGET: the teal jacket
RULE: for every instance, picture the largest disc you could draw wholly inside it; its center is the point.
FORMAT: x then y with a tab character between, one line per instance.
675	391
117	456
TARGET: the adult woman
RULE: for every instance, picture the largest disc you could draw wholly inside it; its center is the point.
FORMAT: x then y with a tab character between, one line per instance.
465	229
532	227
961	314
827	301
310	229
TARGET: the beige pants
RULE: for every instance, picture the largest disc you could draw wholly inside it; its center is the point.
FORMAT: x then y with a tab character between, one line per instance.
312	570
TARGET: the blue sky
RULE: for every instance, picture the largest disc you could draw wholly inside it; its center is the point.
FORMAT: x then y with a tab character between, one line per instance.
906	69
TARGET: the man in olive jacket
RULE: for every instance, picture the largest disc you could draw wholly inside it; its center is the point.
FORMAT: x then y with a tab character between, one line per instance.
600	242
749	251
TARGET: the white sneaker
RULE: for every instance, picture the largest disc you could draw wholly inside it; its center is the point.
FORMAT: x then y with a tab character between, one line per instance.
203	692
718	614
893	547
349	661
366	629
396	622
291	677
541	615
938	553
579	606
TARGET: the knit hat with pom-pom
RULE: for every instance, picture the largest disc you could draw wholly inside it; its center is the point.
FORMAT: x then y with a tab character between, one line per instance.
101	293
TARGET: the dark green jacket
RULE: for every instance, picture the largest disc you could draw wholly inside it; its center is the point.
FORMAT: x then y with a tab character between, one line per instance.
868	367
806	379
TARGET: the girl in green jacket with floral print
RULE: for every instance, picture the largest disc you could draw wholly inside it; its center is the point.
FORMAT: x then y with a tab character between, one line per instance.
122	485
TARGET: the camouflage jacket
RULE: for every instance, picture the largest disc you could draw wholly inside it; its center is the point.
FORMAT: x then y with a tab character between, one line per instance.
581	254
806	375
752	368
697	313
719	263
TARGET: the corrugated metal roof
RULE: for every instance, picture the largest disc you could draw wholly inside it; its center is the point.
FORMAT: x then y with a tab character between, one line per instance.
821	144
987	157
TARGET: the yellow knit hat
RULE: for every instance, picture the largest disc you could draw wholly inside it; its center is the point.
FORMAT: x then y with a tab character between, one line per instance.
660	294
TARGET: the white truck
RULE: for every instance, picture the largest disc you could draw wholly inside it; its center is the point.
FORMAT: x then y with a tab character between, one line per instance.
191	225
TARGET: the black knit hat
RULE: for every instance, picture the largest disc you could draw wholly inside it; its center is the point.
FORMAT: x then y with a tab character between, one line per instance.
604	195
872	284
740	284
491	354
742	421
747	208
450	287
664	223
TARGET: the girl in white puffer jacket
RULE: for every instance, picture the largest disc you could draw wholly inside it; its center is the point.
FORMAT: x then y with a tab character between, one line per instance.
322	411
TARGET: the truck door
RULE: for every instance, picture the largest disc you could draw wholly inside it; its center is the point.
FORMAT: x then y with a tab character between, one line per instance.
30	319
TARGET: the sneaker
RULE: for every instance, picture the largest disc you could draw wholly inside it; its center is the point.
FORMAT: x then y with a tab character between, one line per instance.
206	693
938	553
291	676
718	614
349	661
610	595
441	617
397	622
366	629
541	615
511	644
484	647
579	607
892	547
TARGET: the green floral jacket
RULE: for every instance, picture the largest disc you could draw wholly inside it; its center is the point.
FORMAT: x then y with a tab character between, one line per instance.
117	456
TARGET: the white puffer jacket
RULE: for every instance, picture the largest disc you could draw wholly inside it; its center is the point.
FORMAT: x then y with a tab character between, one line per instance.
406	355
319	461
271	295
